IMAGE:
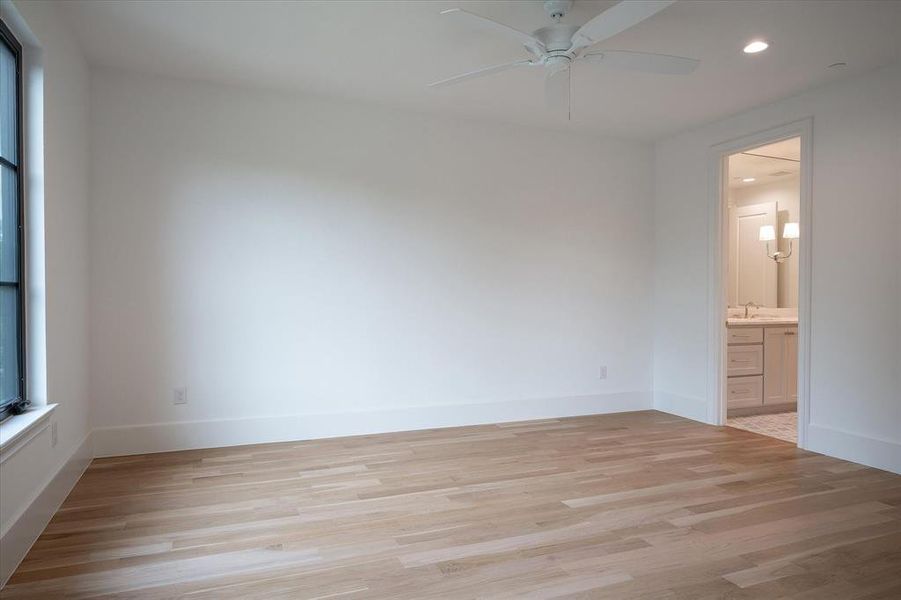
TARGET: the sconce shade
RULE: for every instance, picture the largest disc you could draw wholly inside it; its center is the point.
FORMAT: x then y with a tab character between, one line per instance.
791	231
767	233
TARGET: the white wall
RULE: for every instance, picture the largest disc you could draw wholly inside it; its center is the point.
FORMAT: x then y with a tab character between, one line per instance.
786	194
285	257
856	271
36	476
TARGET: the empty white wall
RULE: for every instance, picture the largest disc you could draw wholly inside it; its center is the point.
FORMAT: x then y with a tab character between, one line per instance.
36	476
856	264
308	267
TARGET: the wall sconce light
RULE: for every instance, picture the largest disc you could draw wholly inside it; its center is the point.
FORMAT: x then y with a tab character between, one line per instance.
790	232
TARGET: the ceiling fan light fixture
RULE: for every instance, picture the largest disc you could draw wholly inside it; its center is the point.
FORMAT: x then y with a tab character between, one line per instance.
755	46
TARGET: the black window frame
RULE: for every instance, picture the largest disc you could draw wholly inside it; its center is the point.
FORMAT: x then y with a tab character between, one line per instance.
18	404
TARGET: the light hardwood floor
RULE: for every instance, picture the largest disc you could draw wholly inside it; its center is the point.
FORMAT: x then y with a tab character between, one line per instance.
633	505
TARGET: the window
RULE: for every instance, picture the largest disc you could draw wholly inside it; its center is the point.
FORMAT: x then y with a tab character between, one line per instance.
12	310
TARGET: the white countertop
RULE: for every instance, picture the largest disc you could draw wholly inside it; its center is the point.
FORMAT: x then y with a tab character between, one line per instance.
761	321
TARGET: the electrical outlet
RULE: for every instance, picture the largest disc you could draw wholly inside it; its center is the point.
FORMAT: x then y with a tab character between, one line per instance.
54	434
602	374
180	395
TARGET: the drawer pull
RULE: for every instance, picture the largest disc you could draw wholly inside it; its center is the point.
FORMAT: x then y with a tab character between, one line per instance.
790	333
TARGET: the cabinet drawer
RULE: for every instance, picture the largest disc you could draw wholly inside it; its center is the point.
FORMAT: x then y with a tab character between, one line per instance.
745	360
744	392
744	335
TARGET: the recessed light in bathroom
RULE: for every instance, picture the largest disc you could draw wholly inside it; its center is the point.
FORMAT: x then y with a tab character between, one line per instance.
748	180
756	46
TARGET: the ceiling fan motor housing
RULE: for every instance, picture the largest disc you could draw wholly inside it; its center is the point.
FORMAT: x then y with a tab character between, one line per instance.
557	39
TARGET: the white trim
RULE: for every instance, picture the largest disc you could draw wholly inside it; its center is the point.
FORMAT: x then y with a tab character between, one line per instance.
30	523
866	450
33	152
187	435
716	270
18	430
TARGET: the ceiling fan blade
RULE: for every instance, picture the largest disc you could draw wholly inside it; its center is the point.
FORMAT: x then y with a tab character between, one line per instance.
557	91
524	38
616	19
481	73
644	61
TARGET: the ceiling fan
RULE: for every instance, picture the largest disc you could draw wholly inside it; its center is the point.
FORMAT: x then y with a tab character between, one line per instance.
556	46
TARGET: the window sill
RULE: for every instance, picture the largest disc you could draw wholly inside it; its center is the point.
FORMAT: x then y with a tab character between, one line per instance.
18	430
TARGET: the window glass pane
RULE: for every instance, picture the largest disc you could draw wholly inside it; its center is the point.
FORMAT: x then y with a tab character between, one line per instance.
8	100
9	348
9	226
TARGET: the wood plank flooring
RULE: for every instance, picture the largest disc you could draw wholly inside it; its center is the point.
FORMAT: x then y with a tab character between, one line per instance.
632	505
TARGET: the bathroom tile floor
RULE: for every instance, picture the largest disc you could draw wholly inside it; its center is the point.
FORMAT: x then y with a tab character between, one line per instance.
782	426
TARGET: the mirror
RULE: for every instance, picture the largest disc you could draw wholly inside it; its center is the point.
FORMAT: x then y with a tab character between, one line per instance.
764	191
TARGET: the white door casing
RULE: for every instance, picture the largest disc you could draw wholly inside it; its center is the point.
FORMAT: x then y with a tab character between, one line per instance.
718	231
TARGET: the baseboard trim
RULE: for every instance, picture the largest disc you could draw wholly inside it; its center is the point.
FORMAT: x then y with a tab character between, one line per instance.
873	452
682	406
29	525
190	435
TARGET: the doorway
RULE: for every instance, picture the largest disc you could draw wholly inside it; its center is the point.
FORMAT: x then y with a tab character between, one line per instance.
760	283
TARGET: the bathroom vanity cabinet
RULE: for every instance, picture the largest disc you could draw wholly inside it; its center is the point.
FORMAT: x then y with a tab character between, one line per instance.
762	366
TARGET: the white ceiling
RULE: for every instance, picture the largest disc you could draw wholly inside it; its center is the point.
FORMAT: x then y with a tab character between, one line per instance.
766	164
387	51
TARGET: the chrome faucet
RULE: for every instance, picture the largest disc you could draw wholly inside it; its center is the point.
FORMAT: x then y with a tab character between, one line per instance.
749	305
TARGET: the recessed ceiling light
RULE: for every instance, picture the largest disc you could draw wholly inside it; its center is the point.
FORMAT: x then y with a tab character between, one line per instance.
756	46
748	180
